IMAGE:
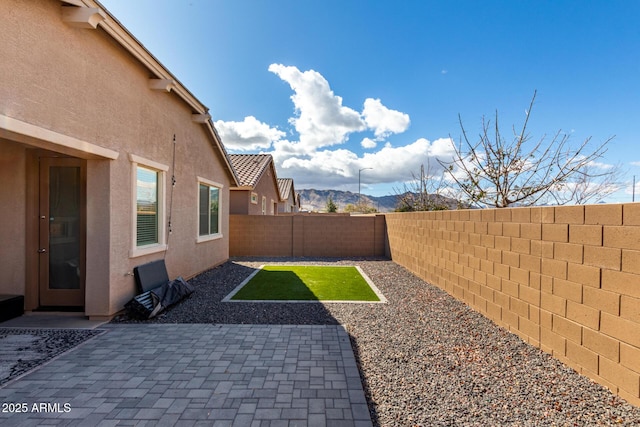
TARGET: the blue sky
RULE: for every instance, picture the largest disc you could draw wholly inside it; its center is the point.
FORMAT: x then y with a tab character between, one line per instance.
330	87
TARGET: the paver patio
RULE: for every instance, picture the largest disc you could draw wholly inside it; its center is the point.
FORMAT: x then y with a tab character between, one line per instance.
188	374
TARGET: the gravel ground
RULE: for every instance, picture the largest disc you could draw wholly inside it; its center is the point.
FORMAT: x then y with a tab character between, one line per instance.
22	350
425	358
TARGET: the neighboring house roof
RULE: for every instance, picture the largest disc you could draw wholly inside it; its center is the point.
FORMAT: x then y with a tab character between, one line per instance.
285	185
91	14
250	167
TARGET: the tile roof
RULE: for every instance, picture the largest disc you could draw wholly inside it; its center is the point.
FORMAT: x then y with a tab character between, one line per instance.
285	185
250	167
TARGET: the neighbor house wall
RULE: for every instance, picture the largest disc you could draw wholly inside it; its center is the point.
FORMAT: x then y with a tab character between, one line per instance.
285	206
241	200
267	187
323	235
565	279
288	205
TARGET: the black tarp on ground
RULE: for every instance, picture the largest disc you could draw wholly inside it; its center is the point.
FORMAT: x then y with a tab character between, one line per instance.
156	291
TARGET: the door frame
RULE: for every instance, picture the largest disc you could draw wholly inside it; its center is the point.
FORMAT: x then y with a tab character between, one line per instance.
57	298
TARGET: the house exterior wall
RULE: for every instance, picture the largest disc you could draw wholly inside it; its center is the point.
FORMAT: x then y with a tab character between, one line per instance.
12	198
325	235
82	84
565	279
289	205
266	187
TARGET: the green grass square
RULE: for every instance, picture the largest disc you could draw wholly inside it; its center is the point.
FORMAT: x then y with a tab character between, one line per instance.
307	283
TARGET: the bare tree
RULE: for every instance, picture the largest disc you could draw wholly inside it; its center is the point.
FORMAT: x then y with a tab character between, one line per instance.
424	193
592	184
360	207
499	173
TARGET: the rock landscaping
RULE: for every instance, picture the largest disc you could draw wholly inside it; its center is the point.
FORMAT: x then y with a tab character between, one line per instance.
22	350
425	358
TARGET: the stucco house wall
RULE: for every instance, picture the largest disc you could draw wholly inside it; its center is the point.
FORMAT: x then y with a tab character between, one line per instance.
289	198
67	91
12	196
268	189
258	178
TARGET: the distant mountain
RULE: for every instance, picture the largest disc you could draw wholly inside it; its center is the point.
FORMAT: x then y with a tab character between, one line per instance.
316	200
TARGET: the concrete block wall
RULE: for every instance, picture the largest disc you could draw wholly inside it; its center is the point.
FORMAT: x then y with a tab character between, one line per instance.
301	235
260	235
565	279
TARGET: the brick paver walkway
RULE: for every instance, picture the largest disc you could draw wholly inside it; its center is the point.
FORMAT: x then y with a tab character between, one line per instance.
198	374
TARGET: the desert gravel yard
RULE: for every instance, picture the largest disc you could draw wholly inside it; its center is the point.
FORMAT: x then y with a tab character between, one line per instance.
425	358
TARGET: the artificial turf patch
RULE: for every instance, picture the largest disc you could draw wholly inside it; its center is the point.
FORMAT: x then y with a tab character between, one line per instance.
307	283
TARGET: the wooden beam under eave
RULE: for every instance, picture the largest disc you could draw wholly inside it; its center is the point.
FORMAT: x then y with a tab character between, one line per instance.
163	85
82	17
200	118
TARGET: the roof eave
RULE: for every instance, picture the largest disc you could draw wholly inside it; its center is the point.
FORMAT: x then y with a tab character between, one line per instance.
128	41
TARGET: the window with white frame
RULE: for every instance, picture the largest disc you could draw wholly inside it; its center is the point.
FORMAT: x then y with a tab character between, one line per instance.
147	206
264	205
208	209
149	211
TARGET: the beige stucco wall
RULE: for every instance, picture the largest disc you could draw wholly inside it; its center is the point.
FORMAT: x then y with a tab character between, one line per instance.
81	83
12	226
288	206
266	187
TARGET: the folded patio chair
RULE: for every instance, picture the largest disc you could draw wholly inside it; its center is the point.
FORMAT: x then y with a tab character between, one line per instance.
155	291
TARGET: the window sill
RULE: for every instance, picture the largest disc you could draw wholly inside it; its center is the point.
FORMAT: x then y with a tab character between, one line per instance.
146	250
202	239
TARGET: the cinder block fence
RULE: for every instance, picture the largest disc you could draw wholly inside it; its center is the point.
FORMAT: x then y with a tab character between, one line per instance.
326	235
565	279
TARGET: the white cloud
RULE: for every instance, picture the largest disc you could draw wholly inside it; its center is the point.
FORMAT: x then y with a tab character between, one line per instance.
600	165
335	168
382	120
392	164
635	163
321	119
368	143
629	188
322	122
247	135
